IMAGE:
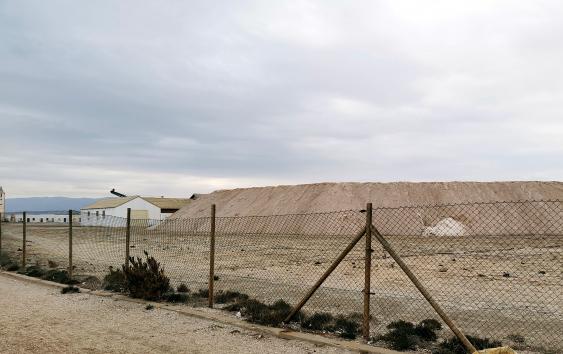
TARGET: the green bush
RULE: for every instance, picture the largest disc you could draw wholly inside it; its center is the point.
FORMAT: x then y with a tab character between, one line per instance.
183	288
258	312
6	260
70	289
454	345
114	281
346	328
426	329
175	297
59	276
203	293
403	335
145	279
319	321
223	297
34	271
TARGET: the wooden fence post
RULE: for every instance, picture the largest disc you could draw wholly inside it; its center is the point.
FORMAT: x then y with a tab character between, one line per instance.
367	274
24	238
127	237
211	258
70	244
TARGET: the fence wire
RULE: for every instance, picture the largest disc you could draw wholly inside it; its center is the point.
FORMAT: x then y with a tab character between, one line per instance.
495	268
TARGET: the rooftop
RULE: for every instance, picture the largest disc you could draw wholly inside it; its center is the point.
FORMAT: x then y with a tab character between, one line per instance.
163	203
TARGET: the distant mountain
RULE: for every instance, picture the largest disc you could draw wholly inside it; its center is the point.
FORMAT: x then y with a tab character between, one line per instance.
46	204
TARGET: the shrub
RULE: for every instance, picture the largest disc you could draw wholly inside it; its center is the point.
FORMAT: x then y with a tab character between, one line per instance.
403	335
115	281
70	289
258	312
319	321
346	327
426	329
223	297
145	280
183	288
203	293
34	271
516	338
57	275
5	260
454	345
175	297
12	267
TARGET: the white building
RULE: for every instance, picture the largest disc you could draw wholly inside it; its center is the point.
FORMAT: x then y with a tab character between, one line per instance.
113	211
38	217
2	202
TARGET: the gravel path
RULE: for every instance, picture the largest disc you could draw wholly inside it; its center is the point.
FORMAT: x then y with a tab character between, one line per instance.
39	319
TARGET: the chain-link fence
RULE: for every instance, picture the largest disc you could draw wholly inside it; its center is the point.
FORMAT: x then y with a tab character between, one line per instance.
495	268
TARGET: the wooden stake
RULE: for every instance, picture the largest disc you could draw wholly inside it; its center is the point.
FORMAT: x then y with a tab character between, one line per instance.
24	238
211	258
127	237
367	273
70	244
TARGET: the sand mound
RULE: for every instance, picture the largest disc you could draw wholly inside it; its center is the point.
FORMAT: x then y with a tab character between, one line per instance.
323	197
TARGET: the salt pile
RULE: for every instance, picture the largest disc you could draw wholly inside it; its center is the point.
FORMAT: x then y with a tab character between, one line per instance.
446	227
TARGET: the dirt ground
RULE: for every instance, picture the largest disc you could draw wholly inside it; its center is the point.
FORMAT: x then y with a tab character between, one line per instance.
39	319
491	286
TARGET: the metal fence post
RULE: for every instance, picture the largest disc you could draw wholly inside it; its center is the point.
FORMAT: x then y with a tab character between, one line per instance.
127	237
70	244
24	238
367	273
211	258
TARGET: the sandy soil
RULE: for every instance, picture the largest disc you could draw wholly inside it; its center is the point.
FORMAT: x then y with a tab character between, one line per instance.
466	275
38	319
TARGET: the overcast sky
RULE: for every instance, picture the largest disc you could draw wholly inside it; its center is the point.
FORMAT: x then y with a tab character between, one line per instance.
171	98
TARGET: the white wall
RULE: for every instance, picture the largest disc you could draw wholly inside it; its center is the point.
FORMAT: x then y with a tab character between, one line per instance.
44	218
2	203
117	216
138	204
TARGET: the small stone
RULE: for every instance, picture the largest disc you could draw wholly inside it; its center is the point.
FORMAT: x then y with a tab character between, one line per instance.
506	275
542	272
442	269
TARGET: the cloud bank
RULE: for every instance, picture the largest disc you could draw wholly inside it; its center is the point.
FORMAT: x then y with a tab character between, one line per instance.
181	97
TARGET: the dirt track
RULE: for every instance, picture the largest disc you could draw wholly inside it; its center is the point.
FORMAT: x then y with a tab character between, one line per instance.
38	319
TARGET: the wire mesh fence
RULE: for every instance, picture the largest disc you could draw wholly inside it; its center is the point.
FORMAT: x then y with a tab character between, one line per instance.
495	268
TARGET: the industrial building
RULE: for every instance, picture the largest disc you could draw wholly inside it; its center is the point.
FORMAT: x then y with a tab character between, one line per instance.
112	211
